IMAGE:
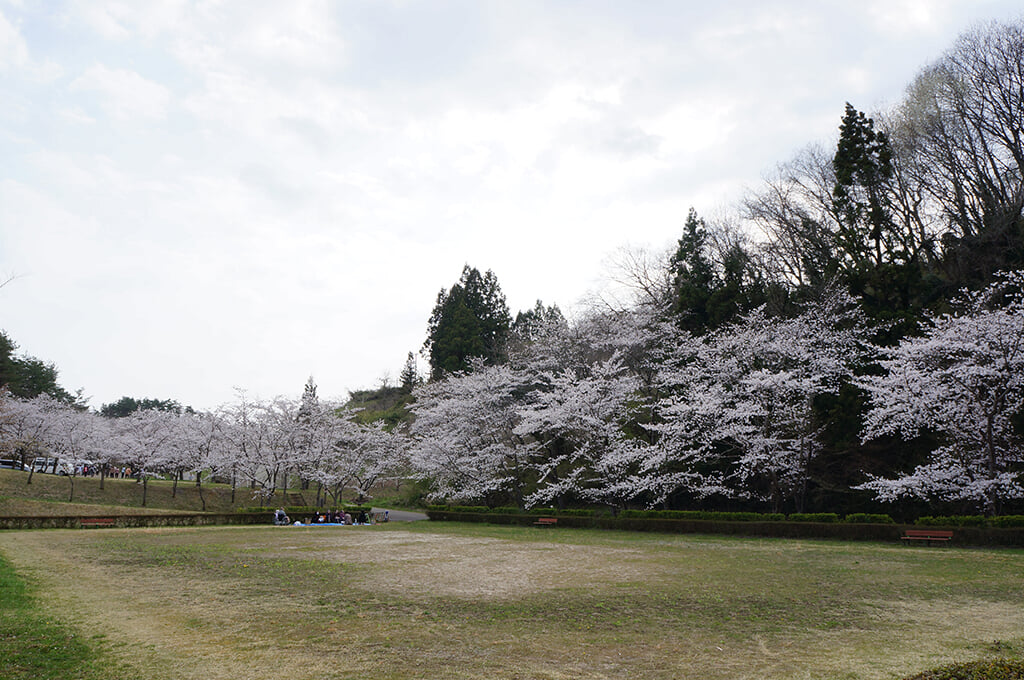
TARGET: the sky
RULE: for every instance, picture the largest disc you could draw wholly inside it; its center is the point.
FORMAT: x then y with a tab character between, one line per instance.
199	197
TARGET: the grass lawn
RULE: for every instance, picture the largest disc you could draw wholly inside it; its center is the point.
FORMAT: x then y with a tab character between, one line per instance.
442	600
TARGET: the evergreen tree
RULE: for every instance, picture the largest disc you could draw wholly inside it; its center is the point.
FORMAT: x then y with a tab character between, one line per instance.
125	406
693	275
310	402
27	376
863	167
470	320
410	376
530	323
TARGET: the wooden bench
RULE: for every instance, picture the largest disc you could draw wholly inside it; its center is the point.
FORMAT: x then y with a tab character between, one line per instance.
87	522
927	535
545	522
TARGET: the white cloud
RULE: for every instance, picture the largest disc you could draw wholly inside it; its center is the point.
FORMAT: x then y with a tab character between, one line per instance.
908	16
123	93
13	49
123	20
246	193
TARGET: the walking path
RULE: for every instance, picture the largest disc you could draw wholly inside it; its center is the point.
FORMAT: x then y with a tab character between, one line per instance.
402	515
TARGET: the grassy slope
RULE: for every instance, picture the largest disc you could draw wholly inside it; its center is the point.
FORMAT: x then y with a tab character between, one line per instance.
49	495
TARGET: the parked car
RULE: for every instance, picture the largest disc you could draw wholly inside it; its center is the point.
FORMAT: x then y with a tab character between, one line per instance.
53	466
11	464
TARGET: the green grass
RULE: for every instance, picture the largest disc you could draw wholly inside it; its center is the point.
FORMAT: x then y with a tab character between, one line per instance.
39	647
451	600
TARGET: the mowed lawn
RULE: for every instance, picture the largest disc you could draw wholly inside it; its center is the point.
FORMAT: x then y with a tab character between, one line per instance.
437	600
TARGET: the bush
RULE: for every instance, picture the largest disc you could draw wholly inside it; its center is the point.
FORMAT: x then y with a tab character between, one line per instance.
506	510
866	518
704	515
1008	521
952	521
997	669
813	517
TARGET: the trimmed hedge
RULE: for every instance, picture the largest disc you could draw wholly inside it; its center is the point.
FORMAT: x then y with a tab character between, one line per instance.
813	517
866	518
1002	521
846	530
123	521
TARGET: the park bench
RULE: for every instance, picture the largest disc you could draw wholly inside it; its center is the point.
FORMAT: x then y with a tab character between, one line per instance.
87	522
927	535
545	522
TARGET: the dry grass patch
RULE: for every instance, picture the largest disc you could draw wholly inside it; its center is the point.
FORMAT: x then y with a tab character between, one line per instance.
456	601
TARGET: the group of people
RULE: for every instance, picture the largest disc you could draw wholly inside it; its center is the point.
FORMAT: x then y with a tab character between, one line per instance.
327	517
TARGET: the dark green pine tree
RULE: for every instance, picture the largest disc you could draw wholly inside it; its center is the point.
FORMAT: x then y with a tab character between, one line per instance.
470	320
125	406
531	323
693	276
887	278
863	167
410	376
26	376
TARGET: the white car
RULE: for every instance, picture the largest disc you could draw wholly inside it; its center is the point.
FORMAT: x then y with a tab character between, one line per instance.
53	466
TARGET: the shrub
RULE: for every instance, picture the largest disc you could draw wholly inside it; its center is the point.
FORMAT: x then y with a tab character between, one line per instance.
469	508
813	517
867	518
1008	521
704	515
952	521
997	669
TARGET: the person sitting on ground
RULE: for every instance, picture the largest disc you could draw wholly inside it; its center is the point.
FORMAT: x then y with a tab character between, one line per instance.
280	517
363	519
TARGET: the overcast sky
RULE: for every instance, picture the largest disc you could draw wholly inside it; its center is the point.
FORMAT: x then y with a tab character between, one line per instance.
198	196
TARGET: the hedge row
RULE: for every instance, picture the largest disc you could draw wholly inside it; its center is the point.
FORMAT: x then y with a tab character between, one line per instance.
122	521
838	530
1001	521
861	518
1004	521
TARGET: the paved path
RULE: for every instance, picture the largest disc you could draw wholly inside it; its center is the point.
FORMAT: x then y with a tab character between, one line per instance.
402	515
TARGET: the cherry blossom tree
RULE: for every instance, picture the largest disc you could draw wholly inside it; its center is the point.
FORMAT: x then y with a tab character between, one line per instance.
145	440
575	421
738	405
198	447
962	379
362	454
76	436
256	434
463	438
26	426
